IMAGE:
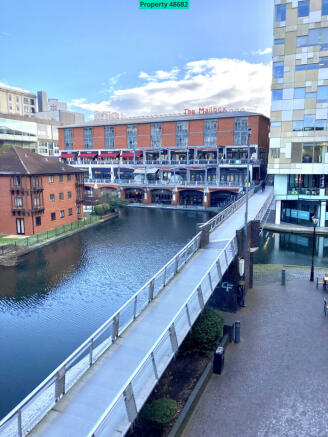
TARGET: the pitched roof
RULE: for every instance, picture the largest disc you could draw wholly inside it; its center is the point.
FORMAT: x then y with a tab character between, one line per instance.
16	160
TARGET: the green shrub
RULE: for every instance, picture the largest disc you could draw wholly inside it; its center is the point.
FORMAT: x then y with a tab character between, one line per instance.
106	208
205	334
160	412
117	203
99	209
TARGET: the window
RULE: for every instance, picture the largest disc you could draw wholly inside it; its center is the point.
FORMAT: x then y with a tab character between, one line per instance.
52	197
299	93
60	178
70	211
68	177
38	221
275	153
79	210
17	108
88	143
279	41
298	125
69	194
306	67
323	62
182	133
241	131
314	38
310	95
10	107
32	101
324	7
276	124
109	137
68	138
277	94
17	180
303	8
17	99
36	201
51	179
61	196
278	70
35	181
321	125
156	134
53	216
309	122
62	213
210	127
25	100
322	95
131	132
18	202
280	13
10	97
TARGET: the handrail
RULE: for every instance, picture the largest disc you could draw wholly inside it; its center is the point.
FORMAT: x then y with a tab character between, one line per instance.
166	330
89	341
263	210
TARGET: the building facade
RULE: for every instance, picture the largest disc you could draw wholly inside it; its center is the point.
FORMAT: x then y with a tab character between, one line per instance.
37	193
299	111
14	101
180	160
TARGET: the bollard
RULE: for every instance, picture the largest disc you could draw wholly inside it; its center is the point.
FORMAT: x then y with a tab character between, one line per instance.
237	331
283	277
218	360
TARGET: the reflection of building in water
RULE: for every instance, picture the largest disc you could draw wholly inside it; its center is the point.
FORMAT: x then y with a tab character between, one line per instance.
42	270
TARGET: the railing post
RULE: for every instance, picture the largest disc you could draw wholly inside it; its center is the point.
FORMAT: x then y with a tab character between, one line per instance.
151	291
91	352
173	338
164	277
130	403
135	307
154	365
116	324
226	257
188	315
60	384
176	267
19	423
200	297
210	281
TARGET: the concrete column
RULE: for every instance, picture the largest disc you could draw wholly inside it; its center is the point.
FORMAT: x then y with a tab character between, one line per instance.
112	174
320	247
175	197
147	197
278	212
206	198
322	214
169	156
277	240
188	175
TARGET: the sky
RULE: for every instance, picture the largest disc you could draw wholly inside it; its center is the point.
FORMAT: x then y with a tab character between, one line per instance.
106	55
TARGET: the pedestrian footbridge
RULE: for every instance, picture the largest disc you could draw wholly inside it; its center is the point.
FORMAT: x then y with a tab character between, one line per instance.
101	387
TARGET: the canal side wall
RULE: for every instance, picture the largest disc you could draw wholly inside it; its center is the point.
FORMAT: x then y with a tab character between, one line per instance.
295	229
11	259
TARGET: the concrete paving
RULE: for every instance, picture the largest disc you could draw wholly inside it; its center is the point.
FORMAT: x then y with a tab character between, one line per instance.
78	411
275	382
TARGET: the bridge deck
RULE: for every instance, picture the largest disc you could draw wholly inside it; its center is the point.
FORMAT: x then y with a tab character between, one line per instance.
78	411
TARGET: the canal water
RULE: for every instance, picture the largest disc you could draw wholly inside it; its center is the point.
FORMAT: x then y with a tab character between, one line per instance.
59	295
291	249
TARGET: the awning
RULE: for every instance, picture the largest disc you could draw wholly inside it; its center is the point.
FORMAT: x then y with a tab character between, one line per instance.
108	155
127	155
147	171
138	154
88	155
67	155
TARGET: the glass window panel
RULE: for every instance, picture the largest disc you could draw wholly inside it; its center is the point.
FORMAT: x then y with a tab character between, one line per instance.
302	41
320	124
280	13
307	67
299	93
278	70
324	38
324	7
279	41
276	123
323	62
322	94
309	122
277	94
310	95
314	37
307	154
303	8
298	126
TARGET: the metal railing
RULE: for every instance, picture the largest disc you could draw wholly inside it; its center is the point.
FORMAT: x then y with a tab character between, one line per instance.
37	404
159	162
260	215
122	412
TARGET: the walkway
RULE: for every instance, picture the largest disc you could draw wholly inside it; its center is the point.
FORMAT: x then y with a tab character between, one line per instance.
79	410
275	381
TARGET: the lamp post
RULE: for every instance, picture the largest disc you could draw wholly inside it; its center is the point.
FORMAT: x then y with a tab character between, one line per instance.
315	221
246	209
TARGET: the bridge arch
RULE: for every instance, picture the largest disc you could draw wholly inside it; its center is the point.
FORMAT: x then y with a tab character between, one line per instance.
161	196
220	198
135	195
191	197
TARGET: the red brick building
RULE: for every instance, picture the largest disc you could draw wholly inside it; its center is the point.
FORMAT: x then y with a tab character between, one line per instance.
37	193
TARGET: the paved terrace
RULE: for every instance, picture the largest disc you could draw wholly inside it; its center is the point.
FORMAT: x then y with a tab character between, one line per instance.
80	409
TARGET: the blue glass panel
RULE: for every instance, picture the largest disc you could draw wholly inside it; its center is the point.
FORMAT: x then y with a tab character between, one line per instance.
303	8
279	41
277	94
280	13
278	70
299	93
322	94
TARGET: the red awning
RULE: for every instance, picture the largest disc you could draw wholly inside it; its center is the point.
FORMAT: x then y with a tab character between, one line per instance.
138	154
88	155
127	155
108	155
67	155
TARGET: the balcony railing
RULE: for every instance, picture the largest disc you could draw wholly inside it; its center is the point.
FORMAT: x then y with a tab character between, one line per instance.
303	191
165	162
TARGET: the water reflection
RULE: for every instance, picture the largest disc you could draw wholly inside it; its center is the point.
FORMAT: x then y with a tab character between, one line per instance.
291	249
59	295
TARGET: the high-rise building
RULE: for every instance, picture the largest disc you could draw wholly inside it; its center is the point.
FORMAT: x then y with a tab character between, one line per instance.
299	111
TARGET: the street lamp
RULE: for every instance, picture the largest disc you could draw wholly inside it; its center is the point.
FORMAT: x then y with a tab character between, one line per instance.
249	132
315	221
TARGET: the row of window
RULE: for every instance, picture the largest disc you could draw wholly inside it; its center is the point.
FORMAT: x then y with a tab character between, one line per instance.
26	108
19	202
300	93
278	67
26	100
61	196
182	127
303	10
62	213
60	178
36	180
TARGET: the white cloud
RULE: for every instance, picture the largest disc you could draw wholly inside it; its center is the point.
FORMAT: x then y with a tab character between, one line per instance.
4	85
160	75
211	82
263	52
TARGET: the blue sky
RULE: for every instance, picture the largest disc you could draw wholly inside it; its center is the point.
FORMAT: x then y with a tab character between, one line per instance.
109	55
